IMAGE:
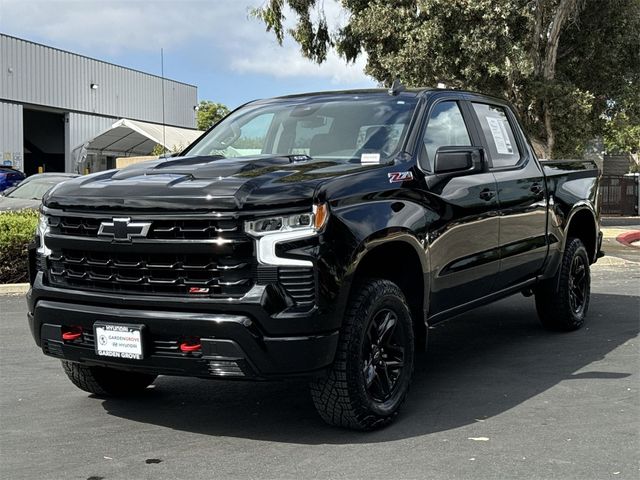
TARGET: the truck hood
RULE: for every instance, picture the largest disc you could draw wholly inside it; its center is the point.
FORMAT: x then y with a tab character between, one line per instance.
203	183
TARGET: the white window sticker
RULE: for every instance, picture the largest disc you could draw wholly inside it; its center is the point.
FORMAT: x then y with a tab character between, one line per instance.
500	136
370	158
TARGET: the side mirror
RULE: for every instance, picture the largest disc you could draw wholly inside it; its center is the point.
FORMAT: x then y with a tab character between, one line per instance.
459	160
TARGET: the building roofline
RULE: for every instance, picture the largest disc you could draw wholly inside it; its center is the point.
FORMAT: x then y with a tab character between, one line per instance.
95	59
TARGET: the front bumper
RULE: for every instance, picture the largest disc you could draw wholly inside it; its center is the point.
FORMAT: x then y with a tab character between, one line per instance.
233	338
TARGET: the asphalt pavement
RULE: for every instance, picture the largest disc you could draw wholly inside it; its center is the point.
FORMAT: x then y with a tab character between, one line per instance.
495	397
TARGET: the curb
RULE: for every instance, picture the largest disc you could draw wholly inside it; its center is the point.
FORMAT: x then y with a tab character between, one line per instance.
14	288
619	221
628	238
612	233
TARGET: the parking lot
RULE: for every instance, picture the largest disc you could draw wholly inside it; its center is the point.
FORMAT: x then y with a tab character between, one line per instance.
495	396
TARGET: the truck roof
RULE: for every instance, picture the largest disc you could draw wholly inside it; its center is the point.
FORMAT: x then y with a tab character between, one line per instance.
413	91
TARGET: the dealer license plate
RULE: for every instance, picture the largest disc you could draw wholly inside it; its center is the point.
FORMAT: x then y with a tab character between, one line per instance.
119	341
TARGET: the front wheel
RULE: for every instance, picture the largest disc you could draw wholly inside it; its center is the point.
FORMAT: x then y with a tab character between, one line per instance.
562	302
105	381
371	374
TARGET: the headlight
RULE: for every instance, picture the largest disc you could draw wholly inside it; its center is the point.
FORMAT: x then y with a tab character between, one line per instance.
290	223
43	229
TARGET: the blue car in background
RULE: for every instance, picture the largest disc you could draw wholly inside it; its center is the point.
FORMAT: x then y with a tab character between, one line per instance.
10	177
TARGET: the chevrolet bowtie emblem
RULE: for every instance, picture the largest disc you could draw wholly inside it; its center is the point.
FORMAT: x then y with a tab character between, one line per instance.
123	229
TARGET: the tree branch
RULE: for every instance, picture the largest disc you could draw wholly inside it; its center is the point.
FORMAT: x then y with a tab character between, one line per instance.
565	9
537	36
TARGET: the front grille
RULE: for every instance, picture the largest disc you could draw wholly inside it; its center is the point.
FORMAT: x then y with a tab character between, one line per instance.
299	284
168	273
189	229
177	257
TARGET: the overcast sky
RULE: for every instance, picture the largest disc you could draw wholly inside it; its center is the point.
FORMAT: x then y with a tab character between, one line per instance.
213	44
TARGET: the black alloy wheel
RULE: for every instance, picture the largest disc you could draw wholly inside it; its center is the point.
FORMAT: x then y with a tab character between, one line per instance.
383	356
578	284
562	301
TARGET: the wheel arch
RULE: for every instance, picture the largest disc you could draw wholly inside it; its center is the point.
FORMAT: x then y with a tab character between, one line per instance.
582	224
399	258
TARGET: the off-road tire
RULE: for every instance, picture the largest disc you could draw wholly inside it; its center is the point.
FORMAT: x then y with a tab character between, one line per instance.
106	381
554	296
341	394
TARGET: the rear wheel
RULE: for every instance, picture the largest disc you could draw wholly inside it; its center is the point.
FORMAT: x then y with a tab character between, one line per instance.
106	381
370	377
562	302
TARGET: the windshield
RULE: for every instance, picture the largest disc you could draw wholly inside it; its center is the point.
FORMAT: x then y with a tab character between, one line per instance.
35	189
340	127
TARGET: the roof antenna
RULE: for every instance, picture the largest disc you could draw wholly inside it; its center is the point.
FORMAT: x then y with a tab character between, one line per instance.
396	87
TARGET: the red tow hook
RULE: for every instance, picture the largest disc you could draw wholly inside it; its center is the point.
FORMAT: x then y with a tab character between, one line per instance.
72	333
189	347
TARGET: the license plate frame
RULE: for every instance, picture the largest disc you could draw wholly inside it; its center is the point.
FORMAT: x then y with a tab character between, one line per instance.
122	341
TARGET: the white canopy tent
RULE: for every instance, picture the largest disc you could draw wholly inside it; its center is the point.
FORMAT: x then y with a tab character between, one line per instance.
134	138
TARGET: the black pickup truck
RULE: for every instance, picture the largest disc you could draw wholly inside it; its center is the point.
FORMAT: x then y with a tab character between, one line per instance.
313	235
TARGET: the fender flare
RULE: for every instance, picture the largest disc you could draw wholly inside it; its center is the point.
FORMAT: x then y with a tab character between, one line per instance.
579	207
370	243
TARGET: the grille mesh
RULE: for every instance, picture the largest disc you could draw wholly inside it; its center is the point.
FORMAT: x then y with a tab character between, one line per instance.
192	229
164	266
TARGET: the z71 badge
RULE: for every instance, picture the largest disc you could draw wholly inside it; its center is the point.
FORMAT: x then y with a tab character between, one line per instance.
399	176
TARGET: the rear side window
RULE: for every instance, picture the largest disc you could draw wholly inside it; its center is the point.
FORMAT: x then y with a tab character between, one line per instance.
446	128
498	134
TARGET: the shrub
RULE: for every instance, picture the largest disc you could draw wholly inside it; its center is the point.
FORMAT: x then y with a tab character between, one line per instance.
17	230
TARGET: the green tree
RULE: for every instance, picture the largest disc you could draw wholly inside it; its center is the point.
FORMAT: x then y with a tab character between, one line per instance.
563	63
210	113
622	122
159	150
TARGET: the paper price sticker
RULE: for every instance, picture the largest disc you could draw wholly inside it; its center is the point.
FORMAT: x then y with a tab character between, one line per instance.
500	136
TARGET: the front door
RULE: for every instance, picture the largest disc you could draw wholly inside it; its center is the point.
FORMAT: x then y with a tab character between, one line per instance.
463	234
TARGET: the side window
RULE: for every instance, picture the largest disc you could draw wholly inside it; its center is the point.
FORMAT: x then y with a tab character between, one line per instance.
446	128
498	134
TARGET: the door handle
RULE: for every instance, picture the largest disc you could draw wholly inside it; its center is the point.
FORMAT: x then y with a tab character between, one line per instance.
536	188
487	194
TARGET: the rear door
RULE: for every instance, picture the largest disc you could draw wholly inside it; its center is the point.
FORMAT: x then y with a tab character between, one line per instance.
521	193
463	236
